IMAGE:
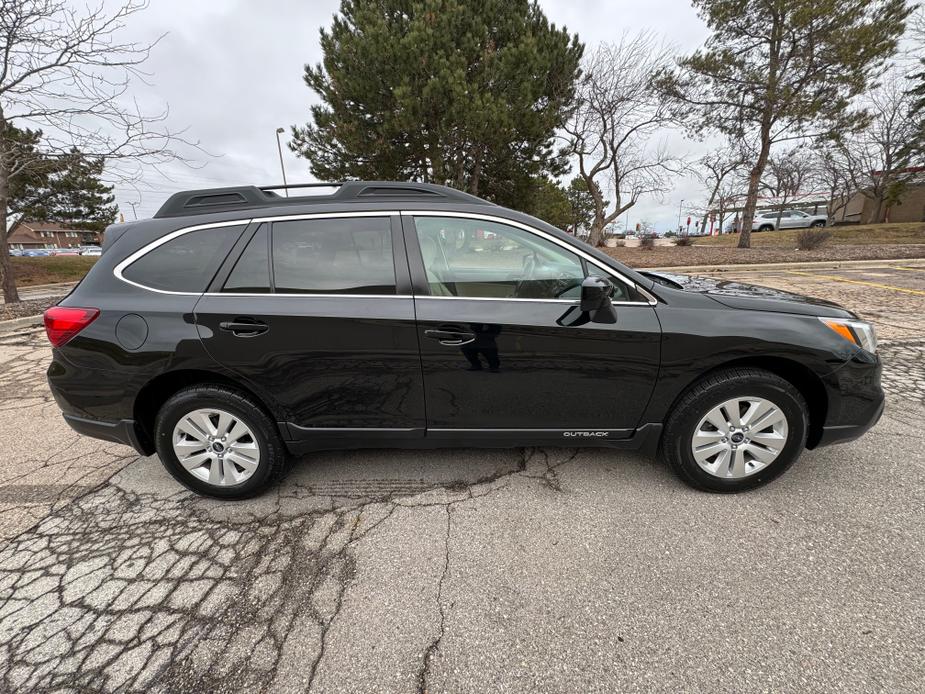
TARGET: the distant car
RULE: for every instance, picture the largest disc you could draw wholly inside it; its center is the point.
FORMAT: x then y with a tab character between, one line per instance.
15	252
36	252
66	251
789	219
91	250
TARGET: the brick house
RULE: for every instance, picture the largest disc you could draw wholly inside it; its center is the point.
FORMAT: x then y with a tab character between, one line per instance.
25	235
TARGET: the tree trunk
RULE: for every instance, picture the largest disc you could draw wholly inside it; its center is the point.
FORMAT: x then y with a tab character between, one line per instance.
709	212
878	210
474	180
10	294
751	200
597	232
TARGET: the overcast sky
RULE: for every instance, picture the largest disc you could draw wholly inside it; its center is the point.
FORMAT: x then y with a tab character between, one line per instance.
231	72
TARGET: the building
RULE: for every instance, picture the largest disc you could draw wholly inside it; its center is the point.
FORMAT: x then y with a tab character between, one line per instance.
860	209
25	235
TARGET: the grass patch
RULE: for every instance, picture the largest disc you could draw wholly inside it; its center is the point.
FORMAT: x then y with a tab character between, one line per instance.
46	270
866	235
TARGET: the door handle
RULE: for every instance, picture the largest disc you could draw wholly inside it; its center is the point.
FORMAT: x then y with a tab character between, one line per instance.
450	337
244	327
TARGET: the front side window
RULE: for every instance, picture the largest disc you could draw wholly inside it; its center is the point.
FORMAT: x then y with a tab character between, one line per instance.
350	255
479	259
186	263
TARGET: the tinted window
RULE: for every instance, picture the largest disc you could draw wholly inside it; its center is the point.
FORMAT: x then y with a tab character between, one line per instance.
474	258
251	274
186	263
334	256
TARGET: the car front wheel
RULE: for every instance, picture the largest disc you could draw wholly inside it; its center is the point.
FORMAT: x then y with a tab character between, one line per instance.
218	442
736	430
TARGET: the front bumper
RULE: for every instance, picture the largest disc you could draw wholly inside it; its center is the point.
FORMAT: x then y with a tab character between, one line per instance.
842	433
859	403
122	431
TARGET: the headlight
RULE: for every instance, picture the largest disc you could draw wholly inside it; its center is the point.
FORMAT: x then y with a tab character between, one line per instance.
858	332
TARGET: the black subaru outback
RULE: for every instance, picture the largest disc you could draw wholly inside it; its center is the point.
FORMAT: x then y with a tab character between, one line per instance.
238	327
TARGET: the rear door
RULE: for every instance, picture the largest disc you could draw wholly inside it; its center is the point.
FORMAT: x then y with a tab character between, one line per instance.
797	220
316	312
504	347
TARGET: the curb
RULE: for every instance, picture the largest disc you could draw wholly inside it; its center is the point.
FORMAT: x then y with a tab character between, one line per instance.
7	326
813	265
52	285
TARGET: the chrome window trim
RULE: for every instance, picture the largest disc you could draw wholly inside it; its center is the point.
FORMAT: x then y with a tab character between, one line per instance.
650	300
144	250
310	296
573	302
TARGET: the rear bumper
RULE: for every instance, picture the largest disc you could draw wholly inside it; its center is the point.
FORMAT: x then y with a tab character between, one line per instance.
122	431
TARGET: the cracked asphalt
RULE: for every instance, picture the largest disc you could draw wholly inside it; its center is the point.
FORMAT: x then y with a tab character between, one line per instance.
540	570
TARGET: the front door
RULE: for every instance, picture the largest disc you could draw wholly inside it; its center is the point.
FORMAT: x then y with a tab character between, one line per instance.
316	314
504	347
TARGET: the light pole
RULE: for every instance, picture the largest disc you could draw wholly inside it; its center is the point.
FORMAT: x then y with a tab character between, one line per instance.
282	167
680	205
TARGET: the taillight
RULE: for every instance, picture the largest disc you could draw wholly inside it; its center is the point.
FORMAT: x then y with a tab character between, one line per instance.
63	322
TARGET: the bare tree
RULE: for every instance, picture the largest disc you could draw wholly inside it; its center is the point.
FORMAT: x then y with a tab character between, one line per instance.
613	124
726	199
781	71
65	71
879	159
832	173
715	169
787	174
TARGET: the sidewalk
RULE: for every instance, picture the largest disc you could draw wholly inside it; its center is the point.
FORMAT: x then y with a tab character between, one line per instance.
43	291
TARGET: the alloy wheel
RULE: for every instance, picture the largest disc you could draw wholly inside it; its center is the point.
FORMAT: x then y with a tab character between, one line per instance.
216	446
739	437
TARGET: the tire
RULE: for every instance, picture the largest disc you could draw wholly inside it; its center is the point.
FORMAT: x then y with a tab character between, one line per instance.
740	470
766	227
817	224
256	457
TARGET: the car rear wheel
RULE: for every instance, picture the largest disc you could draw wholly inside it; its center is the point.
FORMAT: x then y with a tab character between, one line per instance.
819	223
218	442
766	227
735	430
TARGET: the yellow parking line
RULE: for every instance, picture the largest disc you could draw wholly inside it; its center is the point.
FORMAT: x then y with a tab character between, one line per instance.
861	282
907	269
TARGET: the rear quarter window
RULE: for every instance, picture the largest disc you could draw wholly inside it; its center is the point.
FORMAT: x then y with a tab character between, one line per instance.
186	263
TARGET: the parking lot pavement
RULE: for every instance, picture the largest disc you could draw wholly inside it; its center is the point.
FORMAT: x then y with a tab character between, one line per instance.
547	570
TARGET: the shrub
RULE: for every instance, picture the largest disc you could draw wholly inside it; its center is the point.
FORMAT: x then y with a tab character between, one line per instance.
811	239
647	243
684	241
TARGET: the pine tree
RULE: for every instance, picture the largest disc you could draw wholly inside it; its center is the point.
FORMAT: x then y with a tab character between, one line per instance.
64	189
76	195
467	93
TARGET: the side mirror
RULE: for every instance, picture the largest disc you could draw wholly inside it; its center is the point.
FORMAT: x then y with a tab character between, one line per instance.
596	293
